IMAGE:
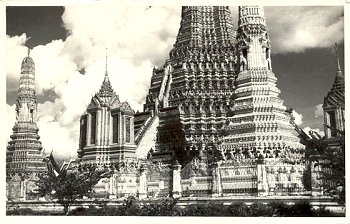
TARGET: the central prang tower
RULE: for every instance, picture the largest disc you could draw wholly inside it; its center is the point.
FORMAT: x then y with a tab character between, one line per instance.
192	92
216	108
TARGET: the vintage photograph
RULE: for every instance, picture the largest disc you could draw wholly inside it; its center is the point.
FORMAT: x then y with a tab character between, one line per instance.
137	110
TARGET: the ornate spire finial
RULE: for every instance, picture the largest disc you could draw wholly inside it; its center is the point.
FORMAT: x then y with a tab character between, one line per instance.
106	72
336	55
28	52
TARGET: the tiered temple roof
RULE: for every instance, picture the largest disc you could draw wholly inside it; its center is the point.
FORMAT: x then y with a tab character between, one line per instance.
106	129
334	105
336	95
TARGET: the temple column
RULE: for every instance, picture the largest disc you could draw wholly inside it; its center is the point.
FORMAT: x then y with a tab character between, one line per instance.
132	130
216	184
177	190
339	123
262	181
88	130
121	129
98	127
316	182
110	134
142	188
107	127
103	126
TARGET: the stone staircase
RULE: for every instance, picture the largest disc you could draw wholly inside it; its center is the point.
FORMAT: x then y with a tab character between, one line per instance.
146	136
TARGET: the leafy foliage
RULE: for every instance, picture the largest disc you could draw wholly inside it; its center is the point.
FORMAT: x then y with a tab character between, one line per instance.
68	186
169	207
332	162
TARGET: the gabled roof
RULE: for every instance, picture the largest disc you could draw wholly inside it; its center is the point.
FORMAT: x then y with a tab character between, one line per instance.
336	96
125	107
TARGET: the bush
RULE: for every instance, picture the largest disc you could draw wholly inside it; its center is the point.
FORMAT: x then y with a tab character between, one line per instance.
301	209
20	211
280	209
258	209
168	207
238	209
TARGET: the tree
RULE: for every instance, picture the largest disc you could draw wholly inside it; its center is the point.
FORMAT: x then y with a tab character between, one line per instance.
331	159
69	185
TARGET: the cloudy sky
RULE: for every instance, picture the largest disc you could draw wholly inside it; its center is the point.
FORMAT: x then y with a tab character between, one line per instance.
68	47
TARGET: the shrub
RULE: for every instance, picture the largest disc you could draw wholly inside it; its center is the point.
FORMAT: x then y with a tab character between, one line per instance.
238	209
258	209
20	211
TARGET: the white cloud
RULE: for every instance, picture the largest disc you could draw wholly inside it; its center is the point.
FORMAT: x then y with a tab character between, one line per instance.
298	118
135	44
15	51
10	120
319	110
296	29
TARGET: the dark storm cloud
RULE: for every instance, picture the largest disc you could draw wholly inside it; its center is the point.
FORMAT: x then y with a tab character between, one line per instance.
42	24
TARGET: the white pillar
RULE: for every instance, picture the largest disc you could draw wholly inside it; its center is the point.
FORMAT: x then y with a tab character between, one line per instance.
216	190
98	127
142	188
177	190
262	182
88	129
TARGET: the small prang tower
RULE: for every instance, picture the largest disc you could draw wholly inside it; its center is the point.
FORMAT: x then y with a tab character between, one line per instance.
25	150
260	126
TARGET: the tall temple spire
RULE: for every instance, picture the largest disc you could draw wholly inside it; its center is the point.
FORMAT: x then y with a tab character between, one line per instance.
337	57
334	104
24	150
196	82
106	91
339	77
259	123
26	91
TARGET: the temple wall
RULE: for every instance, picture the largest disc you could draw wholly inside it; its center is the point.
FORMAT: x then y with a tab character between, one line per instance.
21	188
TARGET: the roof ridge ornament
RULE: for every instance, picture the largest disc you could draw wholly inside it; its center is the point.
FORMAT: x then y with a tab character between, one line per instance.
28	51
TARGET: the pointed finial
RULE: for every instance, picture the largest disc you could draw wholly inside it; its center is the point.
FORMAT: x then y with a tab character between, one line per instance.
106	72
336	55
28	52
